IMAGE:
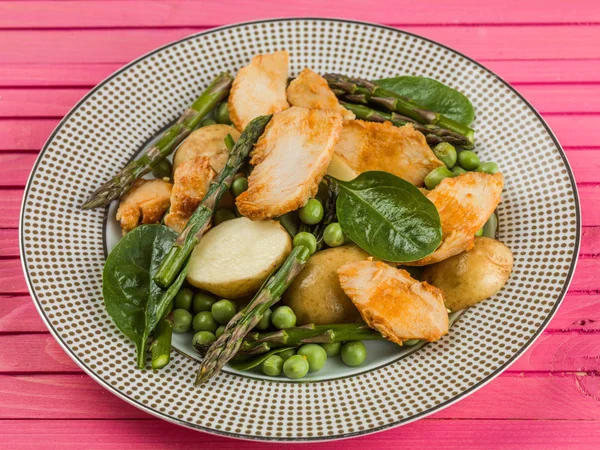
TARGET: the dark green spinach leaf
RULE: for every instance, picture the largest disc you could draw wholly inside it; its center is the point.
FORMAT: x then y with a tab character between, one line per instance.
432	95
388	217
131	297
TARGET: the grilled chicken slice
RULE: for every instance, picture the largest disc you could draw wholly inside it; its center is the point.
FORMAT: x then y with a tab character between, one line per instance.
290	159
191	181
382	146
146	202
310	90
464	203
394	303
206	141
259	88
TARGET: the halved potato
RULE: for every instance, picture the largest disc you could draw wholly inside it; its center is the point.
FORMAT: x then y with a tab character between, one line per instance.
206	141
340	169
234	258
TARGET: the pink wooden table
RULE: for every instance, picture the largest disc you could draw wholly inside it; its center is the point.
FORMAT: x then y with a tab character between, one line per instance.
53	52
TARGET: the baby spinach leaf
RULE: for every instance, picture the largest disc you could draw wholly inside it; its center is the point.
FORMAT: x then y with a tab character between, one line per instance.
131	297
432	95
388	217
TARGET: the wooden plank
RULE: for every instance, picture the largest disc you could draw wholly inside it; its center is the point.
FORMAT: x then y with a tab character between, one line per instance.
421	435
585	165
9	243
14	171
28	353
68	14
106	46
11	274
19	315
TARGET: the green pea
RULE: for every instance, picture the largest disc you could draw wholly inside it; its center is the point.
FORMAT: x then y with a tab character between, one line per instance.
333	235
265	320
220	331
287	354
272	366
222	114
457	170
315	355
488	167
312	212
207	122
222	215
491	226
306	239
283	317
204	321
238	186
410	342
223	311
479	232
332	349
468	160
295	367
203	338
183	299
446	153
163	169
434	177
354	353
203	302
182	321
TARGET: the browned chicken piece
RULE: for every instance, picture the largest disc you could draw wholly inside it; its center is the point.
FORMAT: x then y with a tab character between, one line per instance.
382	146
310	90
259	88
146	202
392	302
290	159
191	181
464	203
206	141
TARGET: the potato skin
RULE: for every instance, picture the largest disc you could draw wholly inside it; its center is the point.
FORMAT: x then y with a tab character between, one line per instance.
316	295
471	277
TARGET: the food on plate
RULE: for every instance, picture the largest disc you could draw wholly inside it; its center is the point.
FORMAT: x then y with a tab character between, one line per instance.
234	258
290	160
473	276
191	181
290	227
145	203
316	295
403	151
310	90
207	141
394	303
259	88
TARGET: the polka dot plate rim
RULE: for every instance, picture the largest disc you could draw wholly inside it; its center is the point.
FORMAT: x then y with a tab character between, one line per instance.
61	260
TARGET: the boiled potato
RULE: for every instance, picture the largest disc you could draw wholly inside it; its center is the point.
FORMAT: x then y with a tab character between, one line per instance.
234	258
472	276
206	141
316	295
340	169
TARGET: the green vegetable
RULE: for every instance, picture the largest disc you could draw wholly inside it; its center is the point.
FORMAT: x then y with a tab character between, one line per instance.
433	95
272	366
457	170
203	302
296	367
312	212
354	353
207	122
238	186
135	303
283	317
161	346
446	153
479	232
223	311
388	217
410	342
289	221
315	355
488	167
220	331
247	363
163	169
287	354
229	142
204	321
435	177
468	160
183	299
333	235
332	349
307	240
265	320
182	321
222	114
491	227
223	215
203	338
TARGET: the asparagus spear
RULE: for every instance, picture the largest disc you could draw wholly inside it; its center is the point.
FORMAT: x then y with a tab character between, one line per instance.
433	133
170	139
228	345
367	91
161	346
199	222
